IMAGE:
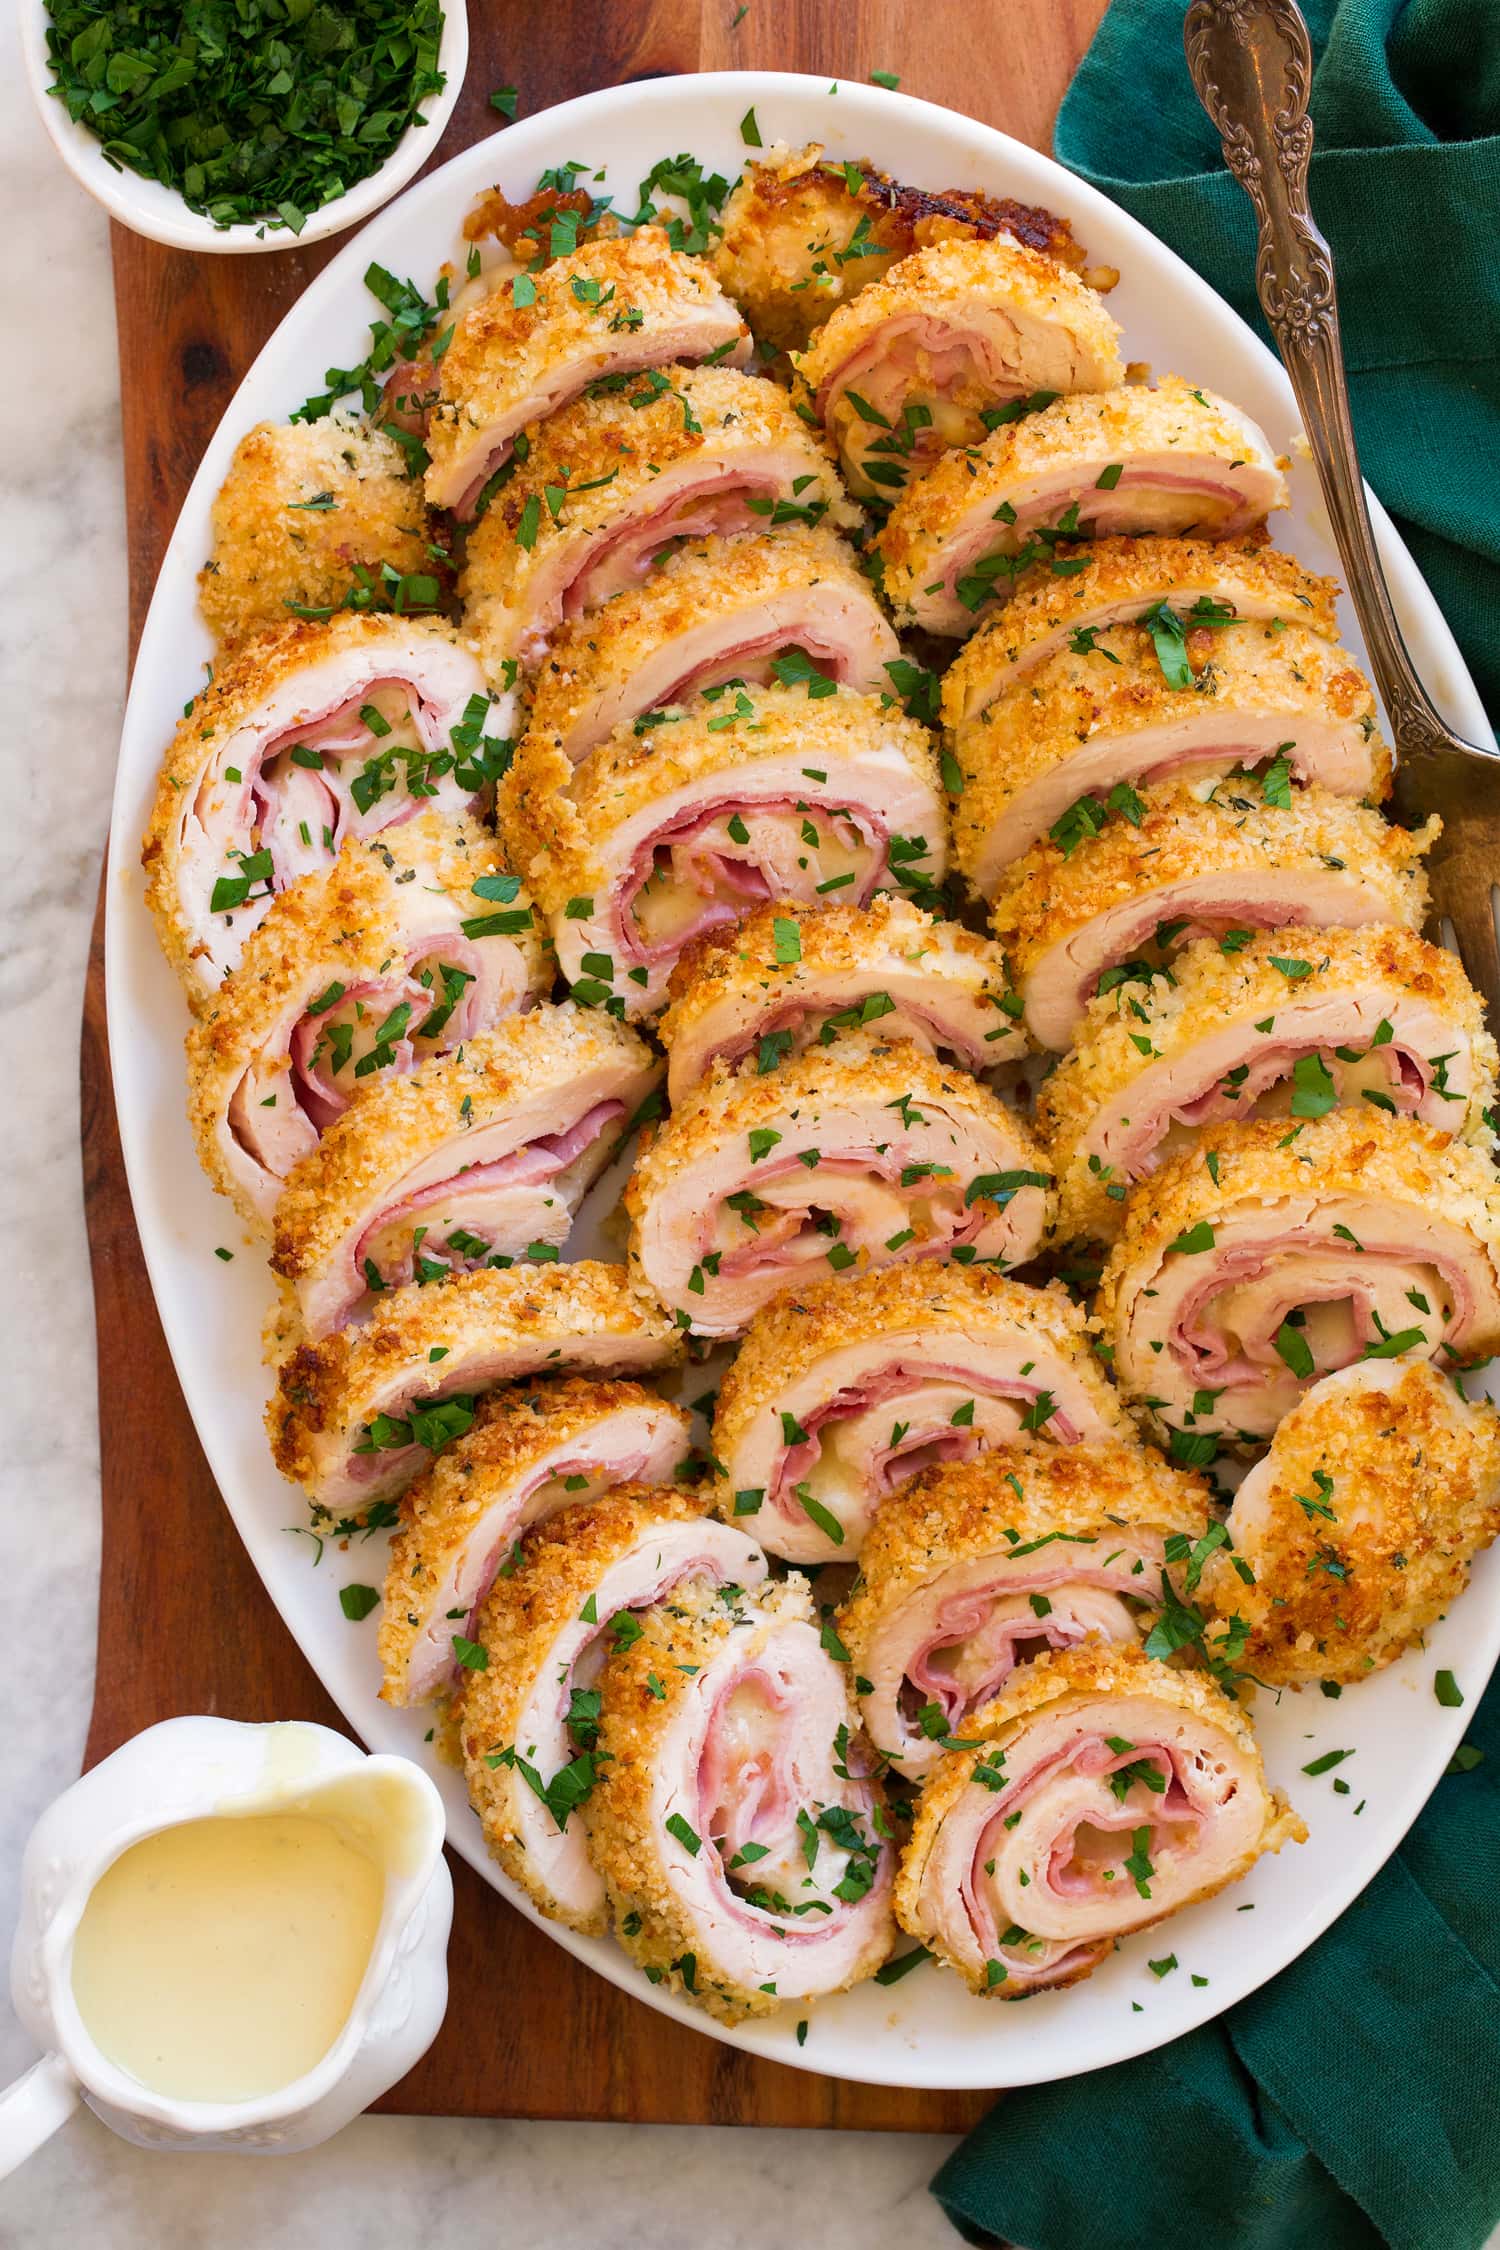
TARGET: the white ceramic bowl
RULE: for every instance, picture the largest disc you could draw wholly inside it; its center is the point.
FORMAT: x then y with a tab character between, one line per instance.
159	213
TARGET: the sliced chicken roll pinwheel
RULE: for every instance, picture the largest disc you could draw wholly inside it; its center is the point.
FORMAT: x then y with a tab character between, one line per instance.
1175	460
750	990
534	1448
860	1154
355	1417
1082	733
1118	901
529	1720
792	606
737	1824
919	359
1356	1531
602	313
308	736
658	838
1107	1792
479	1159
976	1569
845	1388
1178	587
612	484
410	944
1287	1025
1251	1267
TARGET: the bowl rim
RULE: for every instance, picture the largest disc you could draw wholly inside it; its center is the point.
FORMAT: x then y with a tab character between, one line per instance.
159	213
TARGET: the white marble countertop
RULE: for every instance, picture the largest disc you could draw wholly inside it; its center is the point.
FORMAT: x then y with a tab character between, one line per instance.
62	650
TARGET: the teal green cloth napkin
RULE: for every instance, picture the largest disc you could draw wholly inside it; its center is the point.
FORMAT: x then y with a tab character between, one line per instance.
1354	2102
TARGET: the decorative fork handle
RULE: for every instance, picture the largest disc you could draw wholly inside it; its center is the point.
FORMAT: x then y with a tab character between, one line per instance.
1251	62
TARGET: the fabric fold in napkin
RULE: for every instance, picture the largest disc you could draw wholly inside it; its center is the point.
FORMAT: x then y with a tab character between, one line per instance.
1349	2104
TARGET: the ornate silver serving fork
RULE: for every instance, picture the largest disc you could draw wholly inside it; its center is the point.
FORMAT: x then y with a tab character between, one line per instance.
1251	62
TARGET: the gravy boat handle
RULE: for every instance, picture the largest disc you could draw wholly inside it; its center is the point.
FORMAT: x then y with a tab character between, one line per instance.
32	2108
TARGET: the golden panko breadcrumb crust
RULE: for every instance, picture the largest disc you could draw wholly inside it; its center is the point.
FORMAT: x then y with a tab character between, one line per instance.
1050	893
1209	989
1091	423
677	1640
1376	1499
1116	689
1246	575
561	1563
325	1390
1090	1671
400	1120
503	353
1008	1497
342	925
514	1429
302	505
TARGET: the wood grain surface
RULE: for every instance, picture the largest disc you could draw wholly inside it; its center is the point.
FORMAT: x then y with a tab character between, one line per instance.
184	1623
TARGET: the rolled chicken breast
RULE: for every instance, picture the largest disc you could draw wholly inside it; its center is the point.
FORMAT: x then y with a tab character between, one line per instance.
1250	1267
977	1568
913	365
479	1159
755	797
792	606
1174	460
736	1823
355	1417
410	944
613	485
1290	1025
529	1718
602	313
308	736
1357	1529
1182	586
1106	1792
735	992
1085	731
845	1388
853	1156
534	1448
1118	903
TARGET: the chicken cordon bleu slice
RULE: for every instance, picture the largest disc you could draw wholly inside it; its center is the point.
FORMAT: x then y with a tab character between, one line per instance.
605	311
978	1568
857	1155
745	989
1089	728
355	1417
956	332
760	796
1266	1258
1099	1793
1173	460
792	606
845	1388
481	1158
308	736
529	1719
737	1823
1356	1531
534	1448
1119	902
1288	1025
410	944
612	484
1177	587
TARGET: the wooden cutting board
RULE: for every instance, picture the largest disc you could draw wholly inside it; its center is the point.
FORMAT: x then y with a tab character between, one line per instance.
184	1623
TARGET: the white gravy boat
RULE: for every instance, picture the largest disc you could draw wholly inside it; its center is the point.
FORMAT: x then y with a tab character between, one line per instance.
192	1769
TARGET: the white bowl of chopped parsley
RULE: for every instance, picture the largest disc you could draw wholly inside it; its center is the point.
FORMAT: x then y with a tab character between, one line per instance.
235	125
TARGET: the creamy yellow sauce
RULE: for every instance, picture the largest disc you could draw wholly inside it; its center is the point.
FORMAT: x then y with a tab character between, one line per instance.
218	1960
